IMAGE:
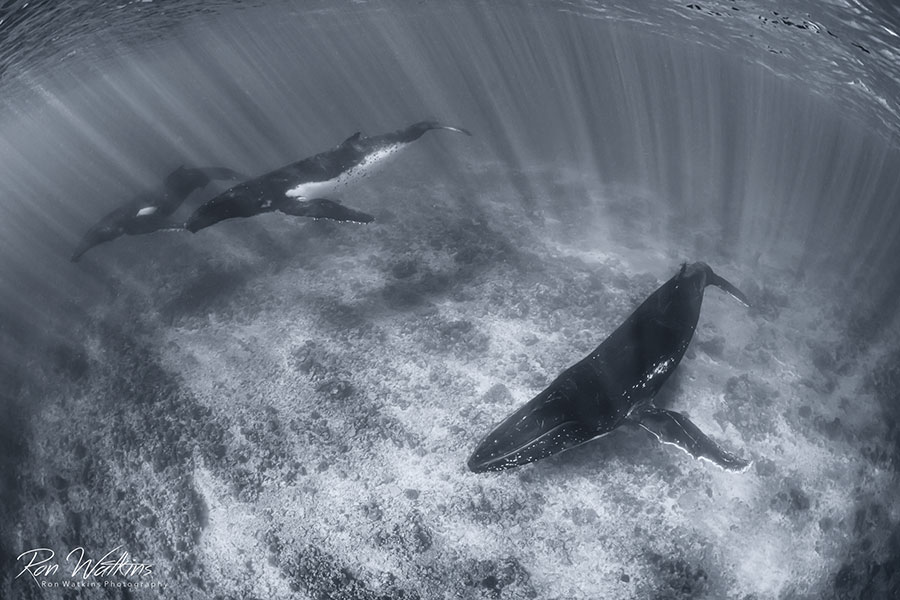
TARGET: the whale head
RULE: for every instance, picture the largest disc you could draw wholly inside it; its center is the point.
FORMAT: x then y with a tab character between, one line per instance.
553	421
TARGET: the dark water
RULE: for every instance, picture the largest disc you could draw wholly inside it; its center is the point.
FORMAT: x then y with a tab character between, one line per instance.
273	408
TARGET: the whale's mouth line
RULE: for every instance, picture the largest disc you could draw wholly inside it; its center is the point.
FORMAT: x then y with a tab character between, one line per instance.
536	442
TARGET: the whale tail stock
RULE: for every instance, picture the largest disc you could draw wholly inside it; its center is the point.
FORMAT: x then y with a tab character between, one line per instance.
82	247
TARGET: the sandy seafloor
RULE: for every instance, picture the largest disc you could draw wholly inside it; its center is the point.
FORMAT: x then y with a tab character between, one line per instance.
280	408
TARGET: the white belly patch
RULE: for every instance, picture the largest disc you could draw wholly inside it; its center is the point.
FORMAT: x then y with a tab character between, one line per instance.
147	210
318	189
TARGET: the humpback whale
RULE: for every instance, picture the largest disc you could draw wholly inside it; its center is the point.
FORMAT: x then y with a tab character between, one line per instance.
616	384
298	188
150	211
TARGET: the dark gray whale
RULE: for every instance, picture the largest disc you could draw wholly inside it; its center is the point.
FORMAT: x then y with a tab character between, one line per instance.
297	189
150	212
615	384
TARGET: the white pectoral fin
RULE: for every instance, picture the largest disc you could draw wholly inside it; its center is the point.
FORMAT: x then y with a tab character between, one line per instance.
674	428
147	210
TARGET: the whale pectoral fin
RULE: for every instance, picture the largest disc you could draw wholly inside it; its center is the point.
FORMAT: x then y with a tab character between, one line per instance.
674	428
322	208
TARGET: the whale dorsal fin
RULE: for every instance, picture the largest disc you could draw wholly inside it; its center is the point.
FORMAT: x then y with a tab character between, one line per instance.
175	176
353	138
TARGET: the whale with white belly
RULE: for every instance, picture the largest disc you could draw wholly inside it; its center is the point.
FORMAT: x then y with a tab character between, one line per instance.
616	385
299	188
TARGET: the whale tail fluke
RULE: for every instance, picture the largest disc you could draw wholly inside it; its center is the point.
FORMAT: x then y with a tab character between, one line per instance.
414	132
724	284
452	128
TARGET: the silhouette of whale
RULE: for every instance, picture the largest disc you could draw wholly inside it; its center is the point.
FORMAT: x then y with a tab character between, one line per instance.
615	385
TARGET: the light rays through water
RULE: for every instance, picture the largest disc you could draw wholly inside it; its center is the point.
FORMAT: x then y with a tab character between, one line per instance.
615	152
785	178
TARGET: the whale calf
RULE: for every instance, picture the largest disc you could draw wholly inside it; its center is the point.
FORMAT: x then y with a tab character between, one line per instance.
150	212
299	188
615	385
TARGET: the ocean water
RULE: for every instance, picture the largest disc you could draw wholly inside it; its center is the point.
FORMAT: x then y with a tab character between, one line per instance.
280	407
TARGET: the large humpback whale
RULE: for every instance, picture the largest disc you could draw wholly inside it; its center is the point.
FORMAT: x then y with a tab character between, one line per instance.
150	211
615	385
298	188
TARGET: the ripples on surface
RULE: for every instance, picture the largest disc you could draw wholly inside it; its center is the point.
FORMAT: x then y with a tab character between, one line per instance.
844	50
787	173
